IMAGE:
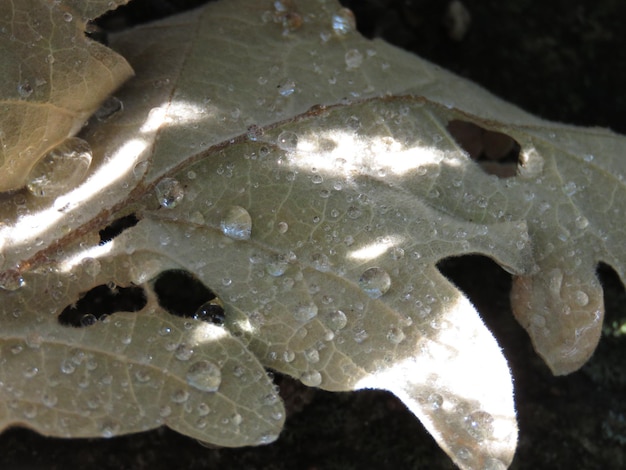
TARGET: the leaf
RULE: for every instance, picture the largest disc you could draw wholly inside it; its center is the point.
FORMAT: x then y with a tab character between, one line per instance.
311	180
53	79
130	373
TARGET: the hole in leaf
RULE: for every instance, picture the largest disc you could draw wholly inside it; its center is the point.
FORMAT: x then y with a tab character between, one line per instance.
496	153
116	227
100	301
183	295
487	285
614	301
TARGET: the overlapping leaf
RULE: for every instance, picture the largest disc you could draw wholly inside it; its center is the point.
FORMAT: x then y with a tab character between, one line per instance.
308	178
53	78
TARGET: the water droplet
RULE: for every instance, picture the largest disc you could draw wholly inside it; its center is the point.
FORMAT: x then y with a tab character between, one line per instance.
180	396
336	320
343	22
205	376
312	355
435	401
211	311
109	108
30	372
142	376
67	16
395	335
354	212
91	266
282	227
49	400
237	223
61	170
581	222
109	428
287	87
183	352
88	319
289	355
277	265
287	140
24	89
11	280
353	59
140	169
305	312
311	378
254	132
317	179
320	262
581	298
479	425
169	192
68	367
375	282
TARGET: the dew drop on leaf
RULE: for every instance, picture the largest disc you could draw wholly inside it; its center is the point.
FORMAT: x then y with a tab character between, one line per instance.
88	319
180	396
336	320
91	266
204	375
305	312
183	352
353	59
287	140
61	170
24	89
395	335
282	227
289	355
277	265
11	280
211	311
311	378
343	22
435	401
375	282
287	87
169	192
479	425
68	367
237	223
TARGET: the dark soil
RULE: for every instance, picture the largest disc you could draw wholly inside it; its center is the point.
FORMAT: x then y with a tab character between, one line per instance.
563	60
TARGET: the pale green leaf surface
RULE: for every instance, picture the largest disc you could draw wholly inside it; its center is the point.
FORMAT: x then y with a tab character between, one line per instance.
374	181
133	372
53	79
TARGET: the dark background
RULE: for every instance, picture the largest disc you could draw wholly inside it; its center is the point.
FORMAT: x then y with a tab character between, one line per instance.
563	60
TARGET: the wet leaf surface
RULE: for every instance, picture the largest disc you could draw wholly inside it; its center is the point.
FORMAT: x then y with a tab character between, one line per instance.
310	179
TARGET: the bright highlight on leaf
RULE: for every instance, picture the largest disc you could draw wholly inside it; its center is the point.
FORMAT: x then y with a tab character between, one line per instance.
312	188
